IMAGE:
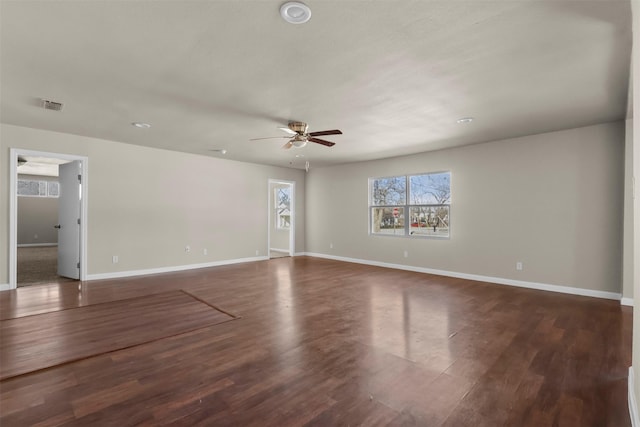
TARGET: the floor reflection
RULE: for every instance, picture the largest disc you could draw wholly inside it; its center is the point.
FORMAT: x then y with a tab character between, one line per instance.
403	324
285	304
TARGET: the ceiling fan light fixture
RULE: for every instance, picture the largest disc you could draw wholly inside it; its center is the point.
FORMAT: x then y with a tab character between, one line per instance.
299	143
464	120
295	12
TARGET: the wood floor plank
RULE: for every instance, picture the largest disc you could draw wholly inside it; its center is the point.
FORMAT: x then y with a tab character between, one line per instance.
38	342
324	343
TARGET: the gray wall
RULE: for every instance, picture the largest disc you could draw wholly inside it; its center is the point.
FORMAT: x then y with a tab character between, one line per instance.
37	216
553	201
146	205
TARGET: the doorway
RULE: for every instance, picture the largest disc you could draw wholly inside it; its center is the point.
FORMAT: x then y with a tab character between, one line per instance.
47	225
281	229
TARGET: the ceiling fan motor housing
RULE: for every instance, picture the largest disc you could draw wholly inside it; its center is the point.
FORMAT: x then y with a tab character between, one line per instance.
299	127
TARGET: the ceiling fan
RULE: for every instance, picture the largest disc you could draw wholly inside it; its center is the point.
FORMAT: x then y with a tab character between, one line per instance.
297	132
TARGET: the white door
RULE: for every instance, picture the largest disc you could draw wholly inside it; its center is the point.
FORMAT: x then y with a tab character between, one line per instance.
69	220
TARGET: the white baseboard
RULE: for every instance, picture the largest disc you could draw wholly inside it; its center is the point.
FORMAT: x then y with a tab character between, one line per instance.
4	287
627	301
36	245
131	273
633	408
479	278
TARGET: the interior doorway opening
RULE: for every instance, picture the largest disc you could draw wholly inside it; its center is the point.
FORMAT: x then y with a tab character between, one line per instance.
47	218
281	234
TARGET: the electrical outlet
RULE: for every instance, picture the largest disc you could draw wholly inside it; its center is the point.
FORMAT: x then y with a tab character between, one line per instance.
406	254
114	259
204	251
35	237
330	245
519	265
257	252
187	248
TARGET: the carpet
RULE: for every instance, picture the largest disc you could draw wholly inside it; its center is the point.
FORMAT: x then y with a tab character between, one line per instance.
38	265
41	341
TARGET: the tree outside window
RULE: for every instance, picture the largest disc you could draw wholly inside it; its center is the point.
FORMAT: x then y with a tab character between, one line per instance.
283	207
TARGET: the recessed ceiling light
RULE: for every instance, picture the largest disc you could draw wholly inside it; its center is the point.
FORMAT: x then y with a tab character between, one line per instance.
465	120
299	155
222	151
141	125
295	12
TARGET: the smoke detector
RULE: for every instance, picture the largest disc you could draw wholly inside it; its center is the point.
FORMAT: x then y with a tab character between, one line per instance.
52	105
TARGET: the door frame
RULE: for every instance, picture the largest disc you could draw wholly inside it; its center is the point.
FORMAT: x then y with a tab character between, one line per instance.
14	153
270	204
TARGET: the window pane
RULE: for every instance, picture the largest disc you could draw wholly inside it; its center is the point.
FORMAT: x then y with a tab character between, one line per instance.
429	221
283	207
283	197
383	220
284	221
433	188
53	189
389	191
28	188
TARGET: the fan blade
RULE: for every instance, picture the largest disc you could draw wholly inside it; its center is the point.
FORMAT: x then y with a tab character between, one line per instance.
322	141
288	145
326	132
269	137
289	131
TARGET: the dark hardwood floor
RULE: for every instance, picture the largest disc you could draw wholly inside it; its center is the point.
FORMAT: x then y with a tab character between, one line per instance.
326	343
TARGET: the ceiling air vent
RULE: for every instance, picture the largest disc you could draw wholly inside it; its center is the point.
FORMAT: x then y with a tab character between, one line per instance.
52	105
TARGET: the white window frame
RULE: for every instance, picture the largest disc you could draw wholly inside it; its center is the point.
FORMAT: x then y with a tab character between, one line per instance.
405	230
43	185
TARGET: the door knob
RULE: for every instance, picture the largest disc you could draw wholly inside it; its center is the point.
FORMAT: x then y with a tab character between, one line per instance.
57	226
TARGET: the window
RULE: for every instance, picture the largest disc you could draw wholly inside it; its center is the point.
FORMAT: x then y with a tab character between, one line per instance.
283	207
28	187
413	205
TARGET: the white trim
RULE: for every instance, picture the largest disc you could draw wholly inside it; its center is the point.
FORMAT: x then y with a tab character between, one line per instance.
628	302
120	274
13	219
479	278
13	209
633	408
279	250
36	245
5	287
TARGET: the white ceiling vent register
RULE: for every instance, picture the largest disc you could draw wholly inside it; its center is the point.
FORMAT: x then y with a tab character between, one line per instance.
52	105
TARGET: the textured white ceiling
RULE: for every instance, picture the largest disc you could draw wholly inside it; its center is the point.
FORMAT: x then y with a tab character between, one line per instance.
392	75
